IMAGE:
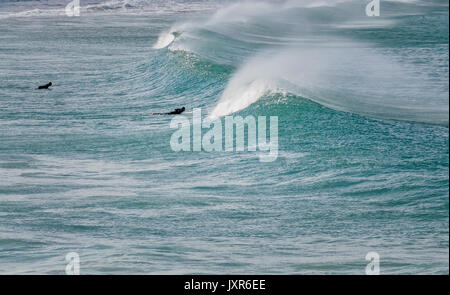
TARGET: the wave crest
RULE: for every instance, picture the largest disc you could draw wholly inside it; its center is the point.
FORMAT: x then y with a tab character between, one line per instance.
353	79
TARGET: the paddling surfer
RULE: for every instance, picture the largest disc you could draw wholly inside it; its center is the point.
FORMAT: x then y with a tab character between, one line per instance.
174	112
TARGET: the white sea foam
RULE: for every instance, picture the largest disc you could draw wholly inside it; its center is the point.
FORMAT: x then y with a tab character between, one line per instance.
355	79
164	40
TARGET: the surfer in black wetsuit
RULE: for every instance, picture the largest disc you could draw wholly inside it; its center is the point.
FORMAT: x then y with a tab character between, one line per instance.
174	112
177	111
46	86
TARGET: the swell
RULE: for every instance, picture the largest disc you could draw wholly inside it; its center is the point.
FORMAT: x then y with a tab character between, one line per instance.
329	53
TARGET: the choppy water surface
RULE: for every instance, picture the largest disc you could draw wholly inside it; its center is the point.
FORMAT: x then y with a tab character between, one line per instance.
362	104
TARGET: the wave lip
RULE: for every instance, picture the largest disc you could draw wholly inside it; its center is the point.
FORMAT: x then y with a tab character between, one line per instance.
238	96
352	79
164	40
310	58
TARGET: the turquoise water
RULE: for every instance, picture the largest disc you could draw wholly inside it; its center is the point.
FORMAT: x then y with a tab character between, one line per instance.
362	106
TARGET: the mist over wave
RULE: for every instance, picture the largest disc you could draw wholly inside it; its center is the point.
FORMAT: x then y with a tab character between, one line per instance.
320	50
353	79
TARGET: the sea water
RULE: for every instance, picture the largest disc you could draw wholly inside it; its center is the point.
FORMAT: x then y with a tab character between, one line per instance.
363	151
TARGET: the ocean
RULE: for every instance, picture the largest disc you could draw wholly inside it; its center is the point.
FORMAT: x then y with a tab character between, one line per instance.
363	141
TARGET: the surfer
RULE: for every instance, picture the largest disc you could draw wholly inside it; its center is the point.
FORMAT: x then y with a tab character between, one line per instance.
46	86
174	112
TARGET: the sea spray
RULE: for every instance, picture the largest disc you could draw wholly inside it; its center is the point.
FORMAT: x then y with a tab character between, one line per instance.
348	77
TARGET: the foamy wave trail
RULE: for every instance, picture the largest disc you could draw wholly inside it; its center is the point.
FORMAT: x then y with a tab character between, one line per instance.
56	8
112	5
28	9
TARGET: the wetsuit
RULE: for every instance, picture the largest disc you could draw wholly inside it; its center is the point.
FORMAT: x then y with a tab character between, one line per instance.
176	112
46	86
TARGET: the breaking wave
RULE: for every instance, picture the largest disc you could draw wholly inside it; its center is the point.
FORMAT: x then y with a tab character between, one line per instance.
326	51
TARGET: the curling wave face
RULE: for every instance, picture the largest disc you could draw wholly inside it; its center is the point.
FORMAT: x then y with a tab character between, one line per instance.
326	51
